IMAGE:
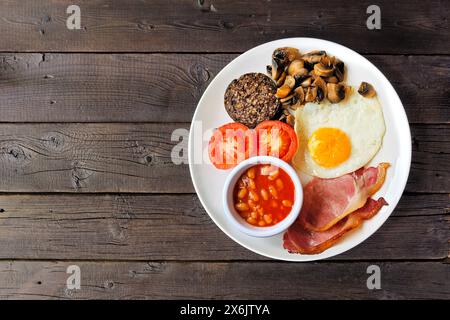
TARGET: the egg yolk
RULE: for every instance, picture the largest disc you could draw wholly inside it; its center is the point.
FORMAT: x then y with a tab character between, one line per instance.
329	147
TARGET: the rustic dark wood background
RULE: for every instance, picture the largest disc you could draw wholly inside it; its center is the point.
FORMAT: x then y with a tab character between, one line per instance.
85	171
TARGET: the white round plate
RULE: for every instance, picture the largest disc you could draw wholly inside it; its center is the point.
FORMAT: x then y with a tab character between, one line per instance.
210	113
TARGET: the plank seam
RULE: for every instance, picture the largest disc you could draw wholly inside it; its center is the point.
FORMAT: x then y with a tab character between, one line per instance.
445	260
208	52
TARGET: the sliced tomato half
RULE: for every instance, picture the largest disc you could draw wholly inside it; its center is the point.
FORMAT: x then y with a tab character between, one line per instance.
231	144
277	139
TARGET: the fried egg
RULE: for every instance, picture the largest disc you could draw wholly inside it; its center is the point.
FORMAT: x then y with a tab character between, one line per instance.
335	139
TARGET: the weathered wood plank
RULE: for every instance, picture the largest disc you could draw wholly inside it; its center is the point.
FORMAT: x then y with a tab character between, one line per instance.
423	204
431	150
422	103
175	227
105	157
209	280
99	88
220	25
167	87
90	158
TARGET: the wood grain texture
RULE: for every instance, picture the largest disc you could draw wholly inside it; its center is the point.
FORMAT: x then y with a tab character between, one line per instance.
106	157
175	227
167	87
90	158
221	25
209	280
431	148
103	87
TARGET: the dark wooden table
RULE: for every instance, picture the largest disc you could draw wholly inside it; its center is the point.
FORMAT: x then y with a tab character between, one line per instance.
86	176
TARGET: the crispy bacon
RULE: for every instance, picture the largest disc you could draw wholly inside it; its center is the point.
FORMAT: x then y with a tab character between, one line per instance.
328	201
300	240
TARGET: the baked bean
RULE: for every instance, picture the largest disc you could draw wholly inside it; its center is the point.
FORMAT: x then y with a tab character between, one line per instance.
273	191
251	173
241	206
242	193
274	204
260	211
267	218
253	196
264	194
286	203
273	175
261	223
279	183
265	170
251	183
254	215
251	220
244	214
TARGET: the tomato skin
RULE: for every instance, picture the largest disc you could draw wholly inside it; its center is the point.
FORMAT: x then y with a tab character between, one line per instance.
288	137
242	147
245	143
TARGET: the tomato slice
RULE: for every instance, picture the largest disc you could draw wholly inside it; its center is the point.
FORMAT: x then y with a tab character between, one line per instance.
277	139
231	144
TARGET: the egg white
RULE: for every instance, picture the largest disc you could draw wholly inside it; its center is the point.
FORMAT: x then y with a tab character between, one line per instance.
359	117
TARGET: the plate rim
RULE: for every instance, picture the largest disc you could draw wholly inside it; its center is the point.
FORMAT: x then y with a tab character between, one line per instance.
393	205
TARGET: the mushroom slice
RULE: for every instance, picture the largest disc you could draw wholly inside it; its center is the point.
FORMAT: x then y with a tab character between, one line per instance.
292	53
323	70
314	57
285	55
332	79
303	72
307	82
299	78
301	75
269	70
327	61
335	92
339	69
289	103
311	94
290	81
283	91
313	74
295	67
320	94
300	93
321	88
281	79
277	70
280	57
287	99
366	90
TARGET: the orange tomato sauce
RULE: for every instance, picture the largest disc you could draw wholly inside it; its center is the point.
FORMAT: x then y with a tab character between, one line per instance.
264	195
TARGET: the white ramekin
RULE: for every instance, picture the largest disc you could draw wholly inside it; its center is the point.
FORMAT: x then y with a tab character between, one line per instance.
237	220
